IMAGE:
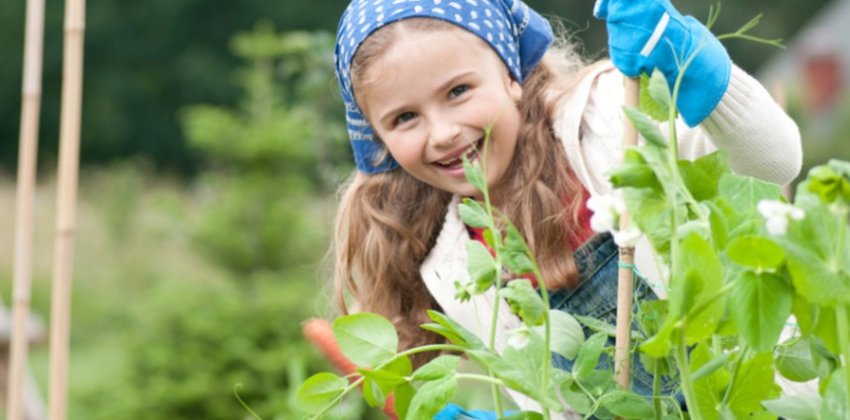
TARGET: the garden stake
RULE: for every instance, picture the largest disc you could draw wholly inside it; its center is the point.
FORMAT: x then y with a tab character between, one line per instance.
22	282
320	333
625	282
69	156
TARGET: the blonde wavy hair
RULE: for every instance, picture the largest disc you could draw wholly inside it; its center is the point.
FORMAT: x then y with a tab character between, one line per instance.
387	223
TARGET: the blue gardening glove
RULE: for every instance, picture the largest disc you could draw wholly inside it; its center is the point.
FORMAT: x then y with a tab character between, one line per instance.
455	412
644	35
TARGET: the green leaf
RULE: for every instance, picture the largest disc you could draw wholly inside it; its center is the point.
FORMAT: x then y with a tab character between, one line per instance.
319	392
366	339
402	397
473	214
658	346
829	183
634	175
651	212
659	91
835	403
440	367
754	384
719	216
627	405
744	193
817	262
474	175
647	128
697	276
708	388
701	176
761	303
597	325
481	265
566	333
575	396
524	301
373	394
795	407
648	104
381	382
453	331
756	252
522	369
431	397
794	360
516	254
588	355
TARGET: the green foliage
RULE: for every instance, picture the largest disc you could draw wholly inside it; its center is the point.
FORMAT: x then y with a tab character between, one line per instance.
739	260
366	339
269	156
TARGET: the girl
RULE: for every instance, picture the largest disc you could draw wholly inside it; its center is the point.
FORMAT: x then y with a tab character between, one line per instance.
422	79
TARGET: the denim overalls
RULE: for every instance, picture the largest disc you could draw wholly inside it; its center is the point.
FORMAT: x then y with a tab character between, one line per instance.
596	296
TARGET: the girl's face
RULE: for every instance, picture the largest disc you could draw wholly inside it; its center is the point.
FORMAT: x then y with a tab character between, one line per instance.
430	97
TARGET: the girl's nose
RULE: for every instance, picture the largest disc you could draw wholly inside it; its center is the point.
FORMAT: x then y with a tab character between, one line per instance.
443	132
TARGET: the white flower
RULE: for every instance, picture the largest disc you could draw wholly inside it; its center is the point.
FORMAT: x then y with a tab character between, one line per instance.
627	238
606	210
518	338
606	214
777	215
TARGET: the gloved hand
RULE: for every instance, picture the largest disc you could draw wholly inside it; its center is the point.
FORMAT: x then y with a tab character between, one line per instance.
455	412
647	34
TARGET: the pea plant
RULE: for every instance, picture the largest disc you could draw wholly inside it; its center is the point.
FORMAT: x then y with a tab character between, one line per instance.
742	264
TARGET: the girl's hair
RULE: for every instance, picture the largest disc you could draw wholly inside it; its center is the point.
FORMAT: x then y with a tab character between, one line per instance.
387	223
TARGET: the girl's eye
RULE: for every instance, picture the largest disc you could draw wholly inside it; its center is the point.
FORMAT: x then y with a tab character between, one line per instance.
404	117
458	90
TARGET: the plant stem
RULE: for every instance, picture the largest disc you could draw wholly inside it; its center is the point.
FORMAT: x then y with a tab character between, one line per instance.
685	375
656	391
480	378
734	377
497	245
547	335
843	333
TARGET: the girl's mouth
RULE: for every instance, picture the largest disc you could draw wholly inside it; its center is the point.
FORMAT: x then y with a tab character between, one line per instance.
456	163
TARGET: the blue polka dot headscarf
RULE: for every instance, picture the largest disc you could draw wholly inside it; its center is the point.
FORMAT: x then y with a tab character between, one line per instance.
518	34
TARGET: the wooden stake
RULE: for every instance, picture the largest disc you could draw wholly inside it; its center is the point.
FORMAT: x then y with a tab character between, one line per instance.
22	277
625	283
69	154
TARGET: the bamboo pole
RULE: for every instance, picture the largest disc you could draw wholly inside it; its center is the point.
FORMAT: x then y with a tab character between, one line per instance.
69	153
625	283
22	277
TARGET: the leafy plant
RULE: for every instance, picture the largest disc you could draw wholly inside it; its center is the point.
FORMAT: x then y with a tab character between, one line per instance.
740	261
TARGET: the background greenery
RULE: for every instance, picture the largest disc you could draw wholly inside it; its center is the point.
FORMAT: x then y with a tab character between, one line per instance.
213	141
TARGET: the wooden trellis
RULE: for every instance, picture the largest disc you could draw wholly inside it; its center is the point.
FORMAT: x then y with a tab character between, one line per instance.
69	140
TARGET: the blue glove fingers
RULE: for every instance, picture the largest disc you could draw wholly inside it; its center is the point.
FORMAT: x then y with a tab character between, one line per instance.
706	78
450	412
453	411
642	39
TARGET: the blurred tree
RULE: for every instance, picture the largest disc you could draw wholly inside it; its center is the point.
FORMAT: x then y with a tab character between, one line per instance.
263	182
269	155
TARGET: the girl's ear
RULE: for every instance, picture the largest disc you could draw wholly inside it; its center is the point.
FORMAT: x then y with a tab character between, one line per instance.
515	90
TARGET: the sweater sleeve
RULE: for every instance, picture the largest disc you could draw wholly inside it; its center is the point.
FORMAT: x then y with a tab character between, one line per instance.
760	138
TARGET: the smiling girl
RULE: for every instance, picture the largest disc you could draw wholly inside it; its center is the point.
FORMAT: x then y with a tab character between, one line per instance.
424	81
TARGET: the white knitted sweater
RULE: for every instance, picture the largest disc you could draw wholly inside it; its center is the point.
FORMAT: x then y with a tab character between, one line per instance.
761	141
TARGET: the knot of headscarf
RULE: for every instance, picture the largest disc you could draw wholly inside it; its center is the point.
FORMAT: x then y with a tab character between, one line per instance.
518	34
